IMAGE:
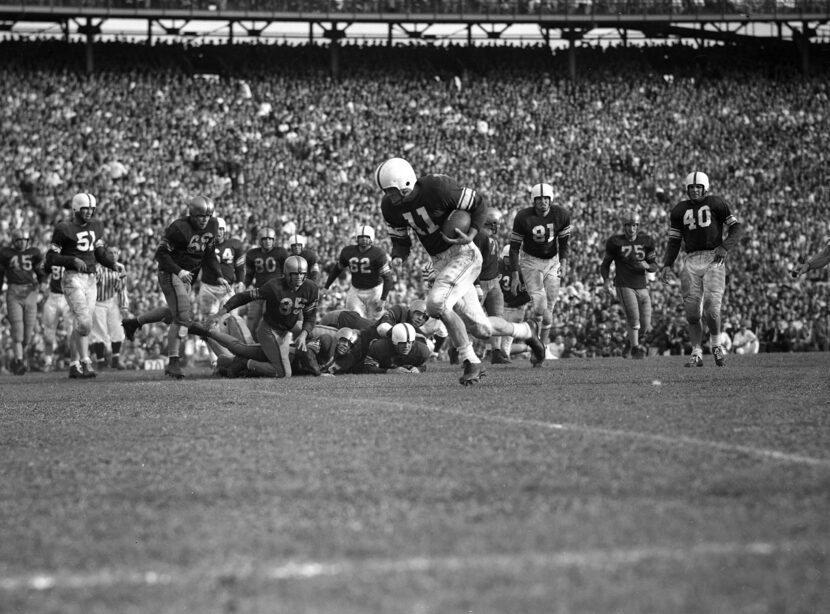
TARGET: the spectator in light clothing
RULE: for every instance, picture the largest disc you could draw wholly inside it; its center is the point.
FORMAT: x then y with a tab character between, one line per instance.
110	307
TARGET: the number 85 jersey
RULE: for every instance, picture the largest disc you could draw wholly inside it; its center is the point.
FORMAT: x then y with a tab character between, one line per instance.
700	224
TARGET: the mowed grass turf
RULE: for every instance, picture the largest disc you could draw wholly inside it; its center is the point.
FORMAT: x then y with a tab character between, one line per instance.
602	485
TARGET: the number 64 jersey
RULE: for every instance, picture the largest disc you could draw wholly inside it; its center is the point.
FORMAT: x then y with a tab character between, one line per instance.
700	224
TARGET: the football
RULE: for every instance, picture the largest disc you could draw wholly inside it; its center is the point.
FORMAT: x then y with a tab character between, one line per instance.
456	220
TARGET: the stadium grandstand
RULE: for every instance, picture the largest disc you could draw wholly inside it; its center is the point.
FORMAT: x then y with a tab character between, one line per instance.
283	136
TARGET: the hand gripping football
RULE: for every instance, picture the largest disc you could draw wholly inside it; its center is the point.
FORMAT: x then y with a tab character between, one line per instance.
456	220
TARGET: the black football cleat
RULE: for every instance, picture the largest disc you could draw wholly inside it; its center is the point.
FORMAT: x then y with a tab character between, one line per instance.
130	326
194	328
717	352
174	370
536	345
473	373
87	372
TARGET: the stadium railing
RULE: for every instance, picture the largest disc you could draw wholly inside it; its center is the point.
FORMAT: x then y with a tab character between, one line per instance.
695	9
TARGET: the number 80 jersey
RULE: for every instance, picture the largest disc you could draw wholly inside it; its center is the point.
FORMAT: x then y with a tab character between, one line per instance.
700	224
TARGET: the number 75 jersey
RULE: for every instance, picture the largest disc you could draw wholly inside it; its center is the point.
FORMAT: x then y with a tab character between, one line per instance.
700	224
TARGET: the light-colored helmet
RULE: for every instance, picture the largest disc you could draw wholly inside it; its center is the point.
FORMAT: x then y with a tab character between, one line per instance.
403	332
395	173
541	189
296	243
505	251
223	227
362	232
697	178
81	201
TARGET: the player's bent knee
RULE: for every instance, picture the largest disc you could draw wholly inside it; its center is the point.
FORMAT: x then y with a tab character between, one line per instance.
435	309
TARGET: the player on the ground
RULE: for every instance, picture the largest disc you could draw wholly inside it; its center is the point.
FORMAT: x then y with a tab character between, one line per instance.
705	226
290	308
402	352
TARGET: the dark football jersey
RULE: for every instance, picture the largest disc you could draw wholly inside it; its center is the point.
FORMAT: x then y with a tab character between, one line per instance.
700	224
55	279
262	266
425	209
185	247
74	240
231	256
625	253
491	255
542	236
22	267
382	355
366	268
345	318
284	305
512	300
310	256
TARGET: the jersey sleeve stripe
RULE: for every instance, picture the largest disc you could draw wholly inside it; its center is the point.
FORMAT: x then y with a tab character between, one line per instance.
675	234
565	231
397	232
730	220
466	200
516	237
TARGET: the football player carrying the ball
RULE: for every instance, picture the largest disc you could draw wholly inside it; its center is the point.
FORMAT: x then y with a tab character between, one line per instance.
423	205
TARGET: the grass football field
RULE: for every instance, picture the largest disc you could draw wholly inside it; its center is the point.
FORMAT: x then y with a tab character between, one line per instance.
587	486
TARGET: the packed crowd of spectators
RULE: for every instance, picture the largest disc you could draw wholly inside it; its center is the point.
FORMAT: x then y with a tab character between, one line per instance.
275	140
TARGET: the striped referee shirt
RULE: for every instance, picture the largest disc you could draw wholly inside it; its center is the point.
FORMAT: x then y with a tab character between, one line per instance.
110	283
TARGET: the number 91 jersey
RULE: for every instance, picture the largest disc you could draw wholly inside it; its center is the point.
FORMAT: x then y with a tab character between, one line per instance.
700	224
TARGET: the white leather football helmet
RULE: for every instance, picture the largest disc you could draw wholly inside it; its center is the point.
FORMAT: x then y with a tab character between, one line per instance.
697	185
395	173
296	244
83	205
223	228
403	336
365	237
541	195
